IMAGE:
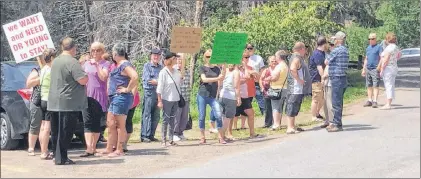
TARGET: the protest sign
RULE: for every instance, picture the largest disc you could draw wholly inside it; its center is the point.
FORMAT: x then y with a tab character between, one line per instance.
186	39
228	48
28	37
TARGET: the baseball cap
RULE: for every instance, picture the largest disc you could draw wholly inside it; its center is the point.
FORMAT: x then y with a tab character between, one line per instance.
169	55
340	35
156	51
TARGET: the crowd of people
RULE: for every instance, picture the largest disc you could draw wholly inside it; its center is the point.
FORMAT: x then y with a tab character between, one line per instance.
104	87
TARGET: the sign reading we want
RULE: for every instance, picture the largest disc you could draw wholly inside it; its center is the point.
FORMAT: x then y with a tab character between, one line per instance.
28	37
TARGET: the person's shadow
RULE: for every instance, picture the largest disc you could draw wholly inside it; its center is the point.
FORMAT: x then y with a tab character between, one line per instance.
357	127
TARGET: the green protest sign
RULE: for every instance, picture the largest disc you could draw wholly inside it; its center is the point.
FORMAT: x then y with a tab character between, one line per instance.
228	48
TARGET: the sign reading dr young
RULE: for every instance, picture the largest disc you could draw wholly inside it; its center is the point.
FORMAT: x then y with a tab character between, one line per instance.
228	48
28	37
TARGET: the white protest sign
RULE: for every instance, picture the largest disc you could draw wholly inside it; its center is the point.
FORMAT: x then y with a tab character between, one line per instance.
28	37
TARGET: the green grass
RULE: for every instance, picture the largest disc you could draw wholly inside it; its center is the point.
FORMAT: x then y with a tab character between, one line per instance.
354	92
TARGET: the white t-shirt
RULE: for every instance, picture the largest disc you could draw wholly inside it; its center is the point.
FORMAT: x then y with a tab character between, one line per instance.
256	62
166	86
394	52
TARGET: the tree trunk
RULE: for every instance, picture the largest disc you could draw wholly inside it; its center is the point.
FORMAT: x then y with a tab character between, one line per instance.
88	22
197	23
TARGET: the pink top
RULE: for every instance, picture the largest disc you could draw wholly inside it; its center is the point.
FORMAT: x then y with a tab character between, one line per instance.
96	88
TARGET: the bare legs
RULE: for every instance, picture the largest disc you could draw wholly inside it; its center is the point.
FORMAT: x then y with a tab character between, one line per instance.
91	141
250	117
44	137
277	118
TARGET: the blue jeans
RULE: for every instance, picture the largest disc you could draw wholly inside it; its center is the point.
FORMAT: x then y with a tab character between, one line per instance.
339	84
216	111
260	99
120	103
150	114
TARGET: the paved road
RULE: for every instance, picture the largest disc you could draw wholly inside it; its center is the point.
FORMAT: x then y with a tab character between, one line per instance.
374	143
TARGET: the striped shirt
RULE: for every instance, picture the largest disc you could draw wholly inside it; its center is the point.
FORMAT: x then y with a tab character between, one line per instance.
338	61
185	86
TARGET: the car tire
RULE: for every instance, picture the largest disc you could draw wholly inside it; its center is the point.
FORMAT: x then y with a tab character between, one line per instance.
7	143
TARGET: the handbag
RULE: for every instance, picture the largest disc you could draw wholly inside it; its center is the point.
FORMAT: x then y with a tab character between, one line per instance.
36	93
181	102
276	94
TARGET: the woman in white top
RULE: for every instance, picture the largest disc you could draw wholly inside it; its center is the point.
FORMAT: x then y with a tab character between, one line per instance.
168	91
230	98
389	68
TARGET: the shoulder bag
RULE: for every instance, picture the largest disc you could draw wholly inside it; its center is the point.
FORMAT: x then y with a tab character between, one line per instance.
182	102
276	94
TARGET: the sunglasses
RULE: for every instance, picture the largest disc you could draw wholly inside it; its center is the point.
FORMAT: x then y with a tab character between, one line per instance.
250	48
246	57
207	56
371	39
331	44
96	50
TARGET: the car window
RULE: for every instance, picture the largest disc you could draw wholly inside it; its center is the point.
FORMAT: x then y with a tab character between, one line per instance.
405	52
13	76
415	51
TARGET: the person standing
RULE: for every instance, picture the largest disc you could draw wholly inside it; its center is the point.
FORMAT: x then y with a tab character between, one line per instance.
370	72
338	64
248	75
122	84
36	116
150	110
96	88
182	116
316	68
48	56
296	85
257	63
230	98
66	99
210	75
389	68
278	82
168	92
327	107
264	86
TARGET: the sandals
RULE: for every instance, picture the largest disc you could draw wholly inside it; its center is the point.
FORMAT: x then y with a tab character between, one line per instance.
293	132
222	141
275	128
47	156
172	143
86	154
202	141
115	154
256	136
31	152
385	107
103	153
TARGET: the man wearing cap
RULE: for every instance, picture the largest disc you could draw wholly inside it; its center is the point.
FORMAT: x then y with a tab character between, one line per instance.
338	64
316	67
370	72
150	111
256	62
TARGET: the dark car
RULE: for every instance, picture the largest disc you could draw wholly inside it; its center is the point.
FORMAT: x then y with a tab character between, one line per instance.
14	110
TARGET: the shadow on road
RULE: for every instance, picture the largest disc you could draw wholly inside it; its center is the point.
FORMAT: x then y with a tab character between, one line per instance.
357	127
406	107
99	161
159	151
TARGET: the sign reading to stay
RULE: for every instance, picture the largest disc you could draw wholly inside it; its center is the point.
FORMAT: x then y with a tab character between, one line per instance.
28	37
185	39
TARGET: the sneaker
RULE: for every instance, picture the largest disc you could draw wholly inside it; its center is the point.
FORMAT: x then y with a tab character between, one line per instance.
215	131
182	137
374	105
176	138
368	103
145	140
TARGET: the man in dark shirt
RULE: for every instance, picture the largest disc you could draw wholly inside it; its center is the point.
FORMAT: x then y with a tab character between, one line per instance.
317	66
66	99
150	111
371	61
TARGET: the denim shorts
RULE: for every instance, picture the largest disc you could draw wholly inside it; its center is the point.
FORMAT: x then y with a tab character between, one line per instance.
120	103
